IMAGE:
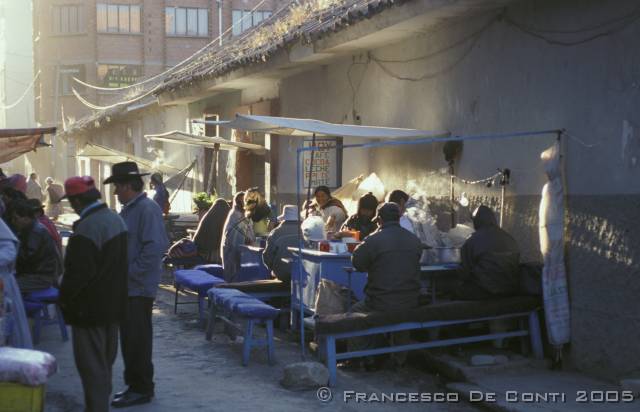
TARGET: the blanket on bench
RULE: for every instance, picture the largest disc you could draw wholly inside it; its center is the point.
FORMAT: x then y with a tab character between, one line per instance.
445	311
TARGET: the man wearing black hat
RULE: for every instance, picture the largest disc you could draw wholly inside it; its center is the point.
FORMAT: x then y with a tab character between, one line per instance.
391	257
147	242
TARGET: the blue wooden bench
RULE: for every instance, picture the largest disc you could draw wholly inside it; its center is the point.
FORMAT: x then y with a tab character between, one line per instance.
198	281
232	303
331	328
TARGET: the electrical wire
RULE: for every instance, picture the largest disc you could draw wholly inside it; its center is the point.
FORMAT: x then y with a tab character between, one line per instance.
596	26
23	95
537	34
580	141
179	64
111	106
474	38
452	46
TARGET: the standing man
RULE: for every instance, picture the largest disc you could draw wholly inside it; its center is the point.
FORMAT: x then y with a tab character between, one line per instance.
34	190
147	243
93	293
161	197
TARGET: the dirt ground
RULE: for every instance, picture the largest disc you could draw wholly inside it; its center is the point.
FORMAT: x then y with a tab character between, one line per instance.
194	374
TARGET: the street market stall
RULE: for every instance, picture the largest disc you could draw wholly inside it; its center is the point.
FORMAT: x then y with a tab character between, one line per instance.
395	137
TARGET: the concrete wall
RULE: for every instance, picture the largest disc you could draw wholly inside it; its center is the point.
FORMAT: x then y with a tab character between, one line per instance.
505	81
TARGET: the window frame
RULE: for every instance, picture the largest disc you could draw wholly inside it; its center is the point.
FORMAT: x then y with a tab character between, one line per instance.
250	21
78	23
181	16
115	12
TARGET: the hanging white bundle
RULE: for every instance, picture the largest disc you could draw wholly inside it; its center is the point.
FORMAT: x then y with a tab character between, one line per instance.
554	277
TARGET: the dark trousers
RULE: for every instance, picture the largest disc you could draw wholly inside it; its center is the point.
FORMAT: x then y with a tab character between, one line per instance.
136	338
94	350
377	341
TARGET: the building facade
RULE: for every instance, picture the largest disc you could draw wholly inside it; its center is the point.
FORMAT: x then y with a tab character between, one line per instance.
115	44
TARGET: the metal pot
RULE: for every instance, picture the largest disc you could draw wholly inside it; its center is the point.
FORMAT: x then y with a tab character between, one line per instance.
440	255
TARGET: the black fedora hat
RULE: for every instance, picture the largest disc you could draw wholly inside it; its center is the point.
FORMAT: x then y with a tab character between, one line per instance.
124	171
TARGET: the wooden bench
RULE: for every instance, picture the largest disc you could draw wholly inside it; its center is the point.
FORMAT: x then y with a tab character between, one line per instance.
331	328
226	303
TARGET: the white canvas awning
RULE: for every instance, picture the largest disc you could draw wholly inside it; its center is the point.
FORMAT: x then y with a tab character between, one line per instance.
308	127
106	154
219	143
16	142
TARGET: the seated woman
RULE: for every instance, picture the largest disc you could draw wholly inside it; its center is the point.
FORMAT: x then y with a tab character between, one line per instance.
257	209
208	236
38	263
331	209
238	230
363	220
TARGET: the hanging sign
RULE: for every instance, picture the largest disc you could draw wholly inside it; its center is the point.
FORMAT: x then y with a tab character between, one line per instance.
325	164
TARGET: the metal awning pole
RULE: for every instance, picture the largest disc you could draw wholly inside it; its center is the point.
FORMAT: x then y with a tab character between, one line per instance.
300	245
313	145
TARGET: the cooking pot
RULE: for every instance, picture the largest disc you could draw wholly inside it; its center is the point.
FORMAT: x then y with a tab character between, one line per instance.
440	255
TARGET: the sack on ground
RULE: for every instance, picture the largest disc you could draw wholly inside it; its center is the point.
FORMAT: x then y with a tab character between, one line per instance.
331	298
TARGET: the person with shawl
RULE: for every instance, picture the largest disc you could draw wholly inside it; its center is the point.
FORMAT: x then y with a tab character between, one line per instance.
331	209
362	221
238	230
208	237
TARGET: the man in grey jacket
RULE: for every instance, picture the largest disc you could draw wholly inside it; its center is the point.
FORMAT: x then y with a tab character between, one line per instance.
280	239
147	243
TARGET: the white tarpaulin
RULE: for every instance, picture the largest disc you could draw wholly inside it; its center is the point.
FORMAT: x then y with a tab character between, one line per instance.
287	126
554	276
106	154
220	143
16	142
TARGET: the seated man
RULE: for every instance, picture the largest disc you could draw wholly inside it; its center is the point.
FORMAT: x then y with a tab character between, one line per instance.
38	208
279	240
490	260
391	256
38	263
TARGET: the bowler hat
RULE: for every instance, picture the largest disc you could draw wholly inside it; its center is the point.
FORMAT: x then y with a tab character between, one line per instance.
124	171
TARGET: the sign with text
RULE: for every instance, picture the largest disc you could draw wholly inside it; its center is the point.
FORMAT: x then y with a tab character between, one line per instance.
325	164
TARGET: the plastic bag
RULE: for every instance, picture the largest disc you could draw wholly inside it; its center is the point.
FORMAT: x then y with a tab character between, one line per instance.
331	298
26	366
313	228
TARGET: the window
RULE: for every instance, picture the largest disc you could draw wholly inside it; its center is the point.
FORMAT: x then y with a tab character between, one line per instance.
118	75
243	20
180	21
118	18
68	19
66	82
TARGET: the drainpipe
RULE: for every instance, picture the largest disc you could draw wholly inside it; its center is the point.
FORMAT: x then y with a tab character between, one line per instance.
219	22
